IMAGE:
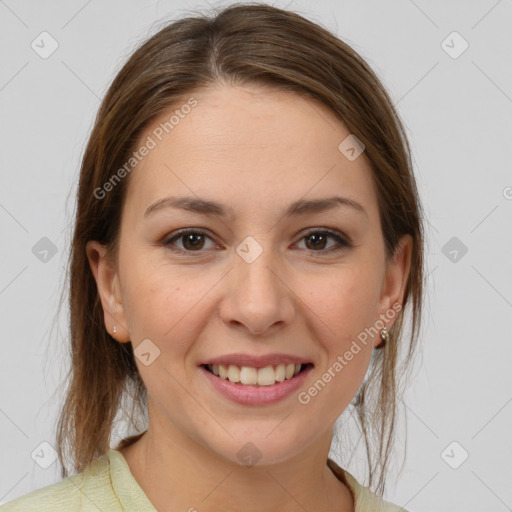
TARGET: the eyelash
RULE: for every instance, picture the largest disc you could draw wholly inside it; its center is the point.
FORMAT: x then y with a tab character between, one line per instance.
344	243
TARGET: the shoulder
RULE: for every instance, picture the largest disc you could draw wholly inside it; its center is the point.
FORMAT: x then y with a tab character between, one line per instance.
365	500
58	497
83	492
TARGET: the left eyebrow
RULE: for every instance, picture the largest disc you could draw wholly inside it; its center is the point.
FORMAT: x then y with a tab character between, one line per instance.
206	207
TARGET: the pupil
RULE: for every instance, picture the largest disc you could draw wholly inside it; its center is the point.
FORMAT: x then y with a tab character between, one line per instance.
190	238
317	237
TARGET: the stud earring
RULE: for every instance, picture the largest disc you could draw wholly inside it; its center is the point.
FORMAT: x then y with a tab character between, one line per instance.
114	329
384	334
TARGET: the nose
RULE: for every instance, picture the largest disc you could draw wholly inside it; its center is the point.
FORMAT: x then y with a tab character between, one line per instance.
257	296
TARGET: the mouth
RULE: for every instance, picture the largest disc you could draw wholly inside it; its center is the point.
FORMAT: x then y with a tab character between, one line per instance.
257	377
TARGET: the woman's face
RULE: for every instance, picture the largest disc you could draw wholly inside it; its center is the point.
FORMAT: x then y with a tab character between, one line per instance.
253	280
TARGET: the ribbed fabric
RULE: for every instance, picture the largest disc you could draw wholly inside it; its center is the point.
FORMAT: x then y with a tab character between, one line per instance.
107	485
365	500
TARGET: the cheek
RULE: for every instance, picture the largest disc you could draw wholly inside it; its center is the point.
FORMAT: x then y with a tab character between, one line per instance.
162	303
342	311
343	301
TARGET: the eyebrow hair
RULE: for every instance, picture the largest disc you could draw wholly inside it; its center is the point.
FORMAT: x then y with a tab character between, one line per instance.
206	207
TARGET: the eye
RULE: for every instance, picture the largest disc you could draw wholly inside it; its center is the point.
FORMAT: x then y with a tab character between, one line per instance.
193	240
319	237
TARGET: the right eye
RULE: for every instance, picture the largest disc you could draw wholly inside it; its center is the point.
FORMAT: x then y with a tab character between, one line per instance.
192	240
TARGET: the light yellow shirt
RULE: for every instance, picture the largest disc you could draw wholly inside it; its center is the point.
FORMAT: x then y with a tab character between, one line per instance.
107	485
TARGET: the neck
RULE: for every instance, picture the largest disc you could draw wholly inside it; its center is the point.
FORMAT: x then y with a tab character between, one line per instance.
176	473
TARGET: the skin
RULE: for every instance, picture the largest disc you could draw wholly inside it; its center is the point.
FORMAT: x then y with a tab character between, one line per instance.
256	151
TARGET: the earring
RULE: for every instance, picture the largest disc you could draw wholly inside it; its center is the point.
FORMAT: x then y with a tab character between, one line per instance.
114	329
384	334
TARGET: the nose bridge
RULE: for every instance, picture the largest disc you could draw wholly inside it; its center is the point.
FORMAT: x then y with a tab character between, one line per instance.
254	265
257	298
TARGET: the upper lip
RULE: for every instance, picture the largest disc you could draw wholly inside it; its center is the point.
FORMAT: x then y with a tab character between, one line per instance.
256	361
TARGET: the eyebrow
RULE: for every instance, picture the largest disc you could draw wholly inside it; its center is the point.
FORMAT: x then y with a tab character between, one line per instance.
206	207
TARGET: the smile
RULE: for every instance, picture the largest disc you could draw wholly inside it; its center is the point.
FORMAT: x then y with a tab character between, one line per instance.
247	375
248	391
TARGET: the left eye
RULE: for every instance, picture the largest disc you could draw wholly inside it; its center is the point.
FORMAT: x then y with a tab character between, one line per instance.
319	237
193	240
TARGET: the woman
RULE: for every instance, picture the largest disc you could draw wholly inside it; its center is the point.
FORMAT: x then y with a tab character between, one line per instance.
248	236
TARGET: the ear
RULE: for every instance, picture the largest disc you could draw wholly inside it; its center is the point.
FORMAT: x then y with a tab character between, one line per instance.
395	281
107	281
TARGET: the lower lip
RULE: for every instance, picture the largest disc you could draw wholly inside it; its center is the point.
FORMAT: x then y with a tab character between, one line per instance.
256	395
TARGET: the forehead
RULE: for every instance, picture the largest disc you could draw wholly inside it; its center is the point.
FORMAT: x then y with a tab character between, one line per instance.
248	147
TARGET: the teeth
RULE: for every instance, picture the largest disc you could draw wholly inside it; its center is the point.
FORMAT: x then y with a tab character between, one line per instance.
263	376
280	372
266	376
248	375
223	371
233	373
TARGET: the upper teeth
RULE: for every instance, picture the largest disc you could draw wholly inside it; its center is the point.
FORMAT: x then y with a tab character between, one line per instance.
248	375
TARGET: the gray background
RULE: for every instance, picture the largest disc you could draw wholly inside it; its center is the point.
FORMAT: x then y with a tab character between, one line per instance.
458	112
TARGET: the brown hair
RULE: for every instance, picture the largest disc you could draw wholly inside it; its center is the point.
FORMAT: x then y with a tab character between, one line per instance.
258	44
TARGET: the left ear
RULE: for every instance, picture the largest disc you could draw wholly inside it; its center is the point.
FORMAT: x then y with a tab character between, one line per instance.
395	281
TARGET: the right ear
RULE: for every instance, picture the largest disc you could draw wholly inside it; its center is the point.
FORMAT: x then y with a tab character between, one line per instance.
107	281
